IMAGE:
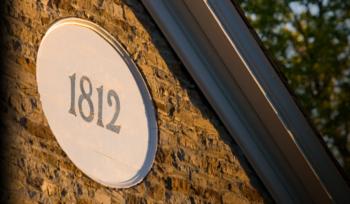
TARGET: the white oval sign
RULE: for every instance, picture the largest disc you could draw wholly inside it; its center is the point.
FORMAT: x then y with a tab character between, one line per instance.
96	103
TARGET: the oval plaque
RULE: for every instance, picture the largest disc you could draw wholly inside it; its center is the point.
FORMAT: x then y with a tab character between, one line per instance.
96	103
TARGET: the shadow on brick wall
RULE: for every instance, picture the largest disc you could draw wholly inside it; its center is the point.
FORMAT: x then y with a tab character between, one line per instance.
3	108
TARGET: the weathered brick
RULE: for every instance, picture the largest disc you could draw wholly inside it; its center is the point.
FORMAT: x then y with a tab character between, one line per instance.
194	162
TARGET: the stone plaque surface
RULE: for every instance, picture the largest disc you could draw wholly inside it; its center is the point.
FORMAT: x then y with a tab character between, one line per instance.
96	103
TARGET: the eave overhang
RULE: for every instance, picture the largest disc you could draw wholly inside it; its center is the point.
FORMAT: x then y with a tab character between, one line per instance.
235	75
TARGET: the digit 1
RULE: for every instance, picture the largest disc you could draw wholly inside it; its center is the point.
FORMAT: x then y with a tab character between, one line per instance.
72	95
99	111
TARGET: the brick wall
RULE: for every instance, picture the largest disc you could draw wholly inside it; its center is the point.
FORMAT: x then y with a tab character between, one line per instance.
196	160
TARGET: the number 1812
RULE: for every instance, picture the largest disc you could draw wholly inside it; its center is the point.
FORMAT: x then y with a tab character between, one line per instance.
86	96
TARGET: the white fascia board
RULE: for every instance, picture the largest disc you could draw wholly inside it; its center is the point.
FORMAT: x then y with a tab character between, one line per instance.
221	54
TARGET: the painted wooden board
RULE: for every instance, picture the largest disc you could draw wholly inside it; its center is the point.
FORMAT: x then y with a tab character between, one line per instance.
96	103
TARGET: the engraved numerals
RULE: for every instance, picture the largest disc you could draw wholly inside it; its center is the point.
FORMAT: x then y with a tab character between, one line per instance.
86	92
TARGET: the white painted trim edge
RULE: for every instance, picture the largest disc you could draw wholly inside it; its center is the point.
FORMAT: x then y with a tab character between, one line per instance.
221	54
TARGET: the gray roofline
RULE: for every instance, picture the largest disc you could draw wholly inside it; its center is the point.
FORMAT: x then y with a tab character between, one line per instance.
215	45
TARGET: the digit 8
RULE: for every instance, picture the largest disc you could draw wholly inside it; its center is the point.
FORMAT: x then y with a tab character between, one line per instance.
87	97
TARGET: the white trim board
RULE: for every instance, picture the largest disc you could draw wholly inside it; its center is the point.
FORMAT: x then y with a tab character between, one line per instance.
217	48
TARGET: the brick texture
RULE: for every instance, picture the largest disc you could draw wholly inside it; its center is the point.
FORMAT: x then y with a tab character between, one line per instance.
196	161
